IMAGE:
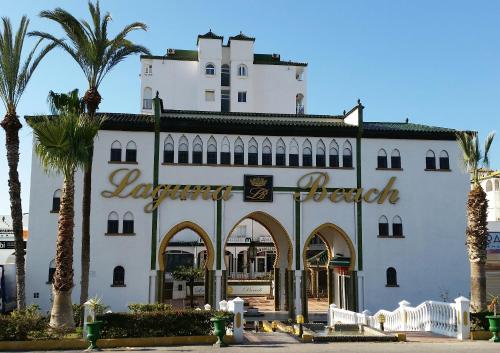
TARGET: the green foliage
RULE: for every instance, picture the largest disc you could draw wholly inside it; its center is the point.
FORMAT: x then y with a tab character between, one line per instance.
63	143
21	324
473	157
15	73
157	324
88	42
138	308
189	274
69	103
96	305
78	314
478	320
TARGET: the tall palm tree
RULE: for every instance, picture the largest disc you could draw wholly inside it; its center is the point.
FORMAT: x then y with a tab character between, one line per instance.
14	77
65	102
63	145
96	54
477	207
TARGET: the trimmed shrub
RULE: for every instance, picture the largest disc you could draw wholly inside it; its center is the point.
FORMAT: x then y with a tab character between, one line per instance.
78	314
21	323
138	308
479	321
158	324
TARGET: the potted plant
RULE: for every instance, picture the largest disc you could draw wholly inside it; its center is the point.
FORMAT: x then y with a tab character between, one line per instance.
219	320
94	326
494	319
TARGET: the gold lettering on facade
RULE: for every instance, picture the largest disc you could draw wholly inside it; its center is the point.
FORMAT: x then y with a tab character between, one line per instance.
313	185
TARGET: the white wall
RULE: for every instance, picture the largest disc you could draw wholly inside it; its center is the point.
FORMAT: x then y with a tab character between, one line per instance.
431	205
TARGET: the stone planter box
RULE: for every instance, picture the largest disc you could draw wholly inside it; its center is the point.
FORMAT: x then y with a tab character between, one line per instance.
80	344
480	335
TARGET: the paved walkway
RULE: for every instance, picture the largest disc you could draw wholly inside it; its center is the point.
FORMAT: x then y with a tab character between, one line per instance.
400	347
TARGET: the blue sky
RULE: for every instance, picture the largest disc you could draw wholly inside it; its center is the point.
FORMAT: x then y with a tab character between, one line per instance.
434	62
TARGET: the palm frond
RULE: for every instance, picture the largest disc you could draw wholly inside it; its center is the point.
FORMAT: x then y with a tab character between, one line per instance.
88	44
63	143
487	145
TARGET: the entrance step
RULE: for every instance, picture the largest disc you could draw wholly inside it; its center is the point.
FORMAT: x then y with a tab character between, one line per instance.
267	338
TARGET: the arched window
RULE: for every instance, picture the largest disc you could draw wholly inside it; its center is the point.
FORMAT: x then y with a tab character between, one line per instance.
197	150
333	152
52	271
293	156
147	98
253	152
347	155
280	152
128	223
397	227
299	104
210	69
489	185
382	159
225	75
113	223
307	153
430	160
392	279
183	152
131	152
444	160
497	185
225	154
267	154
56	201
118	276
116	152
383	226
395	159
320	154
239	156
212	151
168	150
242	70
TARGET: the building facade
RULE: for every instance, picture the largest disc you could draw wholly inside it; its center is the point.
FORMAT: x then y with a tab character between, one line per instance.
385	197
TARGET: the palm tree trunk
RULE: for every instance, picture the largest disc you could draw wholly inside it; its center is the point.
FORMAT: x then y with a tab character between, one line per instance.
86	205
477	242
11	125
62	312
478	285
92	100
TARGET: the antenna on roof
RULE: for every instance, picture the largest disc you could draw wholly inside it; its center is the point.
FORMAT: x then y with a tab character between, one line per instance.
407	120
344	112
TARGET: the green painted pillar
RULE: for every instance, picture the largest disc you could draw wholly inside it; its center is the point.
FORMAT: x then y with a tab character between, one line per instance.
224	285
303	291
291	294
330	280
287	289
160	283
277	291
207	286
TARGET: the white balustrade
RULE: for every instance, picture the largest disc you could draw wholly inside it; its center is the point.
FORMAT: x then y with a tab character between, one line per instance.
449	319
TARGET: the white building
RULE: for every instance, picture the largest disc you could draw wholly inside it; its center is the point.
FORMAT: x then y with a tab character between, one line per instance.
385	197
224	77
7	240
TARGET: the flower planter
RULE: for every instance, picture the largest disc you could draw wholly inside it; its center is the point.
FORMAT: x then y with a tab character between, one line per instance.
494	327
219	331
93	333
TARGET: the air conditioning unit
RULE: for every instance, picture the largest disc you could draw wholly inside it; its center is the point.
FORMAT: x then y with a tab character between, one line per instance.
170	51
276	56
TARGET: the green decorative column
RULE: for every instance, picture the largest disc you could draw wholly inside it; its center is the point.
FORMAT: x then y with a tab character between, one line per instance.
291	294
287	290
277	289
331	285
224	285
303	292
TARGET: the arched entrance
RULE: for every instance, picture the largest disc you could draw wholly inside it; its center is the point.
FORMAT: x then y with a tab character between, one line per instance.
261	251
185	251
335	260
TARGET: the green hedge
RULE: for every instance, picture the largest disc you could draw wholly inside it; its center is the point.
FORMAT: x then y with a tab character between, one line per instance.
21	324
138	308
158	324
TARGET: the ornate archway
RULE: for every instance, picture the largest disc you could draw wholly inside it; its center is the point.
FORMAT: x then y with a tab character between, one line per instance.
195	228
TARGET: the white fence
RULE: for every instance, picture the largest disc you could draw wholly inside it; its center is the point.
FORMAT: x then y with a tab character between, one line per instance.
449	319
